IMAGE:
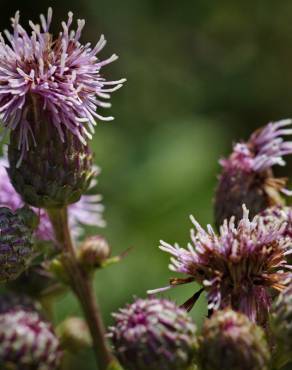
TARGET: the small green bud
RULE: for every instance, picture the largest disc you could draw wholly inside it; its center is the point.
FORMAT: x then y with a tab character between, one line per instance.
94	251
74	334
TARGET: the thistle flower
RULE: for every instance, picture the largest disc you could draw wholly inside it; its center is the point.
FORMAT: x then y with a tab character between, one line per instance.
282	325
152	334
87	211
60	77
27	341
241	267
231	341
16	249
247	176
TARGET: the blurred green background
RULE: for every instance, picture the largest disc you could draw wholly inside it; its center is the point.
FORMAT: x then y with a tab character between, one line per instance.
201	74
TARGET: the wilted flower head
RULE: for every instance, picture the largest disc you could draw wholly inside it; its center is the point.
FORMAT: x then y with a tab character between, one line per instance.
61	76
239	268
247	173
231	341
152	334
26	340
88	210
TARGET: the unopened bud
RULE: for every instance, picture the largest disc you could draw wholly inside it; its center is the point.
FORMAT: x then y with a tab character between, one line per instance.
94	251
74	334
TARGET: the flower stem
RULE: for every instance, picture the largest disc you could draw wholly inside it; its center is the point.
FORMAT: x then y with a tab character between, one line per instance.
82	286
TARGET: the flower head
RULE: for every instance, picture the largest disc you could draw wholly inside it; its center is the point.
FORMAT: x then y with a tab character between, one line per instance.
231	341
239	268
27	341
247	173
152	334
88	210
61	76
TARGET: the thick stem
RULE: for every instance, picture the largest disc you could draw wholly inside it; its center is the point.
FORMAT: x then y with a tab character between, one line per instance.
82	287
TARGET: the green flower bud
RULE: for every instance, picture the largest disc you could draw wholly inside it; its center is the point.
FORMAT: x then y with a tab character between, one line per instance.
74	334
94	251
231	341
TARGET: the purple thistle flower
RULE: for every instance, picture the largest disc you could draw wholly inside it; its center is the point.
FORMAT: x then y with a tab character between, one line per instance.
152	334
239	268
278	215
88	211
247	176
61	75
28	341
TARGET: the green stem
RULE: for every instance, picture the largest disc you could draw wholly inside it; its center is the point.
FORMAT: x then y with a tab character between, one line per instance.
82	286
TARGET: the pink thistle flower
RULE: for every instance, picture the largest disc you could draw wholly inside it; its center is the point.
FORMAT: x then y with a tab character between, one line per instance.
247	176
239	268
88	211
62	76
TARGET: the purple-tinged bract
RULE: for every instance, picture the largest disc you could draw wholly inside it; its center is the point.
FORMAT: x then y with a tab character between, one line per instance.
61	76
152	334
16	248
230	340
240	267
247	176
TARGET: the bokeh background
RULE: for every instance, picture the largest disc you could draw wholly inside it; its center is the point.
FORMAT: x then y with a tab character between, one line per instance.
201	74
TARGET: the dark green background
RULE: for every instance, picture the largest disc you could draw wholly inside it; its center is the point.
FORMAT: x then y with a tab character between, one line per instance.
201	74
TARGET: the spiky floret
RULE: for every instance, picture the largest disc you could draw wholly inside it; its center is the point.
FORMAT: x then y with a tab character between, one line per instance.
152	334
27	341
247	173
281	325
64	76
87	211
16	249
230	340
241	267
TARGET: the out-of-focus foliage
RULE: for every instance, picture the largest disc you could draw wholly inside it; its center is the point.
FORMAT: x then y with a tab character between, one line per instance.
200	74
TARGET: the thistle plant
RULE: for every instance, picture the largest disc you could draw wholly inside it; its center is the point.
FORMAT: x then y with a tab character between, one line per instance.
51	93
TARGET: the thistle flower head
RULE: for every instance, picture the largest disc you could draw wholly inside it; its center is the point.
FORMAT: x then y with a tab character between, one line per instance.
247	173
61	76
239	268
27	341
154	334
231	341
16	249
88	210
